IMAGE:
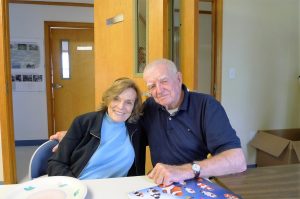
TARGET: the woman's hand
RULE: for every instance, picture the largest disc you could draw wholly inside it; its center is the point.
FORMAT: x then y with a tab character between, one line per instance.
57	136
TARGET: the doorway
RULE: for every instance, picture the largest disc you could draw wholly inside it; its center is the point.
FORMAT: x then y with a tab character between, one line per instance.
69	72
209	57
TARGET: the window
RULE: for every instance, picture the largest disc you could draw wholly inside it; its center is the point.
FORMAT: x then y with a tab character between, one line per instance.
65	60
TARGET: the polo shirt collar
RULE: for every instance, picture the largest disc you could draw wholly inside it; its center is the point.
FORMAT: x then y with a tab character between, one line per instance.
184	105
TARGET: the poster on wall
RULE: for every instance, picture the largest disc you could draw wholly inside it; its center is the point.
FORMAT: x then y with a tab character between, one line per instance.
27	82
25	55
26	66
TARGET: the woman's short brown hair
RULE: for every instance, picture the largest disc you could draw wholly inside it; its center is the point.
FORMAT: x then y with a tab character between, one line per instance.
118	86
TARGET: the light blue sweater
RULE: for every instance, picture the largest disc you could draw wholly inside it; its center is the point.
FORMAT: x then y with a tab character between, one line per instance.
115	154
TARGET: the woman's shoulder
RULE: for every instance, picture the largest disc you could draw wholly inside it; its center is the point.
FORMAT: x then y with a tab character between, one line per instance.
90	116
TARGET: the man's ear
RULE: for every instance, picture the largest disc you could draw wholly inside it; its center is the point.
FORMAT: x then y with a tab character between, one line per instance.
179	77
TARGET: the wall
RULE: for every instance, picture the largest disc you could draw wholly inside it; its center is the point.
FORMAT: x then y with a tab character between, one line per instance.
27	23
261	44
299	65
205	47
1	160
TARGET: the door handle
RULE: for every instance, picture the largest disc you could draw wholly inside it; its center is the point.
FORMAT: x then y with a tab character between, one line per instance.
57	86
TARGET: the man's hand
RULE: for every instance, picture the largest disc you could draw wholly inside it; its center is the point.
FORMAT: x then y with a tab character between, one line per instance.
167	174
224	163
57	136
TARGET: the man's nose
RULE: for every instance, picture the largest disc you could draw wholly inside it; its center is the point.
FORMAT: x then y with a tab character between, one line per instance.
158	88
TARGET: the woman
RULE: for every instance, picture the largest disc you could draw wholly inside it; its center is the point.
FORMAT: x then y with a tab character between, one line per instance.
106	143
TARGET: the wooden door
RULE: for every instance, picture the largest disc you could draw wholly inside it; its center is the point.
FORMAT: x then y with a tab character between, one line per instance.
74	94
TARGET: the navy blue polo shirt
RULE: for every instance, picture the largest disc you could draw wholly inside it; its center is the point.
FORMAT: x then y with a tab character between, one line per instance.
199	127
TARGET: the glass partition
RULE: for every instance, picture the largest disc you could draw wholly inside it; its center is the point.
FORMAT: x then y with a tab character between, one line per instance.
141	35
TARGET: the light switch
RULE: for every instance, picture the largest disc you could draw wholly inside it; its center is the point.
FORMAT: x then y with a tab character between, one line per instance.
232	73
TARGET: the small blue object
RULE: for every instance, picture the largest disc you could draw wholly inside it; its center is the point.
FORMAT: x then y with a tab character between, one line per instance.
39	160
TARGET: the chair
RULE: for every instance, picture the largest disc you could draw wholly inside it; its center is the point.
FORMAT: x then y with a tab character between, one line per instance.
39	160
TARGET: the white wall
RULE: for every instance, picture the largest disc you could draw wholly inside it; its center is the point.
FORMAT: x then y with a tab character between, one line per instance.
261	43
205	47
27	23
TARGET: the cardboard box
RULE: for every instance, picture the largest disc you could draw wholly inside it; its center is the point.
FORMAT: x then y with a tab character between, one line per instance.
277	147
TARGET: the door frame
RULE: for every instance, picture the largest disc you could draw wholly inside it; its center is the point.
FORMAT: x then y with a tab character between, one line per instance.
48	64
216	61
6	107
189	49
217	31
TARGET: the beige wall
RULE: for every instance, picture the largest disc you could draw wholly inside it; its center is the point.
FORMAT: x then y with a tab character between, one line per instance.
261	43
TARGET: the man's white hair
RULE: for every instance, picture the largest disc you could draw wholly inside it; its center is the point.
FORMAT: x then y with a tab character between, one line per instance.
171	65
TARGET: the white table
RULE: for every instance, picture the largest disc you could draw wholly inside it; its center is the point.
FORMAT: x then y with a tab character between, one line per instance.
110	188
116	188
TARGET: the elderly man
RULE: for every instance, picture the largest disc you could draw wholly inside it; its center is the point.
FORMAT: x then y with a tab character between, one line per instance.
183	127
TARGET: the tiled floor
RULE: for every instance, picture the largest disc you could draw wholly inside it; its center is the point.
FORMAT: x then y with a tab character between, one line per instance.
23	155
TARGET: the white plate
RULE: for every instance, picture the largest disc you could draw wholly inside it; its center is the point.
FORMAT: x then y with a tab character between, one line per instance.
58	187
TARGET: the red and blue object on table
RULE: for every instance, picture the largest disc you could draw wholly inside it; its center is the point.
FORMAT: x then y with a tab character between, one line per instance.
190	189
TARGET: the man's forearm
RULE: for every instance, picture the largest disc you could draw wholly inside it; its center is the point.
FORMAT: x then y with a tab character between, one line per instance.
227	162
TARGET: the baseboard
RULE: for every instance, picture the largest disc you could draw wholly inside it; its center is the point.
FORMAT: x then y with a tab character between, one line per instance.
251	166
29	142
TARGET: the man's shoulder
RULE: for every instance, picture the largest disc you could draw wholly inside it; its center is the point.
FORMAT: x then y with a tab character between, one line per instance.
200	97
200	101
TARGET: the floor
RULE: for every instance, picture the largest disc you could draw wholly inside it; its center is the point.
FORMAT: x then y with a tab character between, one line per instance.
23	155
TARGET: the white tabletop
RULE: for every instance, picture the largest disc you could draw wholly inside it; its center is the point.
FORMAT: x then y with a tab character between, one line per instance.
116	188
110	188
